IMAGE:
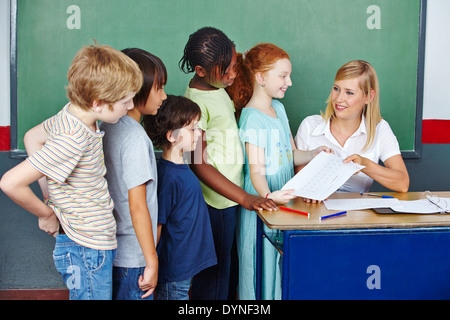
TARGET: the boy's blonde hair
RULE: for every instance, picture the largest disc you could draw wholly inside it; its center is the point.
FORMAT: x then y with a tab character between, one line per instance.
368	82
101	73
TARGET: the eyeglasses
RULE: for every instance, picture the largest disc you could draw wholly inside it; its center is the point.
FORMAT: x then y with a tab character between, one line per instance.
439	202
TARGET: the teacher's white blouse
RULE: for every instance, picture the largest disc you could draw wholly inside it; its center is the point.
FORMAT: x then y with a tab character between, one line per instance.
314	132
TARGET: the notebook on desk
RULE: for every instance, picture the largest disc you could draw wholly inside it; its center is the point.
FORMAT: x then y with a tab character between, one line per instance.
429	204
388	211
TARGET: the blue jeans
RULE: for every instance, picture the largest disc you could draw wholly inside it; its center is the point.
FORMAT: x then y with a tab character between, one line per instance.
213	283
176	290
125	284
86	272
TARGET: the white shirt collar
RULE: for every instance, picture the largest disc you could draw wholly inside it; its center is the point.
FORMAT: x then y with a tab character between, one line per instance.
324	128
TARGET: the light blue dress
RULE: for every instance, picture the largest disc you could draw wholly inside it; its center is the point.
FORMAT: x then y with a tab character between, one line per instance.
272	134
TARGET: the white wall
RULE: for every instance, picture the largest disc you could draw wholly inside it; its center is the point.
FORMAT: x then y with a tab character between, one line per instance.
437	61
436	104
4	63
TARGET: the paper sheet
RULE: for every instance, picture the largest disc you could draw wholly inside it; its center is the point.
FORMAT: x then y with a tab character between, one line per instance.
360	204
322	176
420	206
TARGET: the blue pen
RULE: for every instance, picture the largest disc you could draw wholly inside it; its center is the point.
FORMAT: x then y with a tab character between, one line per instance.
377	195
333	215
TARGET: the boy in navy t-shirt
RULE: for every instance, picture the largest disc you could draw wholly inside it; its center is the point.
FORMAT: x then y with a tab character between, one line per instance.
185	241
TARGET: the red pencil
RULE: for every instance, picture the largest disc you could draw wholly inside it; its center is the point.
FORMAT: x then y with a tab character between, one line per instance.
296	211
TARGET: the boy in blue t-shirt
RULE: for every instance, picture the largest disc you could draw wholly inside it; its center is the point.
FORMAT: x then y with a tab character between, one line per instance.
185	241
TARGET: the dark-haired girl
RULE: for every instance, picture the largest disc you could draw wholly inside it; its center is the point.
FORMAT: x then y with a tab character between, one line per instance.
218	159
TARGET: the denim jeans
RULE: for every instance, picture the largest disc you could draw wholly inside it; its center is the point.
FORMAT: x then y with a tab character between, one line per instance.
176	290
213	282
86	272
125	284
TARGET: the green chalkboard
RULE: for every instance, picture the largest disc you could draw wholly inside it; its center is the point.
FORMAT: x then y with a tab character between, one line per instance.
319	35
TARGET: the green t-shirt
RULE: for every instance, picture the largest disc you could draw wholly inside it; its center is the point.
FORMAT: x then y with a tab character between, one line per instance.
224	149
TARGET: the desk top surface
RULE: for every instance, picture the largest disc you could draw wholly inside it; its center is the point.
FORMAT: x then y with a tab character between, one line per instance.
284	220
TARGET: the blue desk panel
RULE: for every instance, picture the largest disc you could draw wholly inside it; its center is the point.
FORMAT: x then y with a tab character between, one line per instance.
367	264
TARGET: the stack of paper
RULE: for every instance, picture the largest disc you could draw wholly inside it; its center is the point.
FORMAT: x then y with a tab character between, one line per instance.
322	176
327	172
422	206
360	204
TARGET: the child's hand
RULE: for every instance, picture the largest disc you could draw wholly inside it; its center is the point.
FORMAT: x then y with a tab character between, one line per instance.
282	196
312	200
49	224
320	149
148	281
256	203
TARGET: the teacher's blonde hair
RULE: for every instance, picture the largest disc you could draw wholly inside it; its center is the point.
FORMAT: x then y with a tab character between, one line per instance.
368	82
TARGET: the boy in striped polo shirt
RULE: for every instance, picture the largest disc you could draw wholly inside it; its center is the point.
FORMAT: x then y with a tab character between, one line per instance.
66	157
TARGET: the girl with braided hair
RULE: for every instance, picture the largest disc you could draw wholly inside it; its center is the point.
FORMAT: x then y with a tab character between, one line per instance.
218	158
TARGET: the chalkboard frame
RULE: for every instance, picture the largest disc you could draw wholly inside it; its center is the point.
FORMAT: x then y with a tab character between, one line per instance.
408	154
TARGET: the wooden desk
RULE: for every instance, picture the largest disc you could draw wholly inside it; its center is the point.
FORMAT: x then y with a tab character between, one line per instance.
362	255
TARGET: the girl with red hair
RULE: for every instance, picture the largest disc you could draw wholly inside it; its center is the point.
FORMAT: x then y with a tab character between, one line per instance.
264	74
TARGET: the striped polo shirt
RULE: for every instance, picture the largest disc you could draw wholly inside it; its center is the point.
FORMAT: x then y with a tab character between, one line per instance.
72	160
